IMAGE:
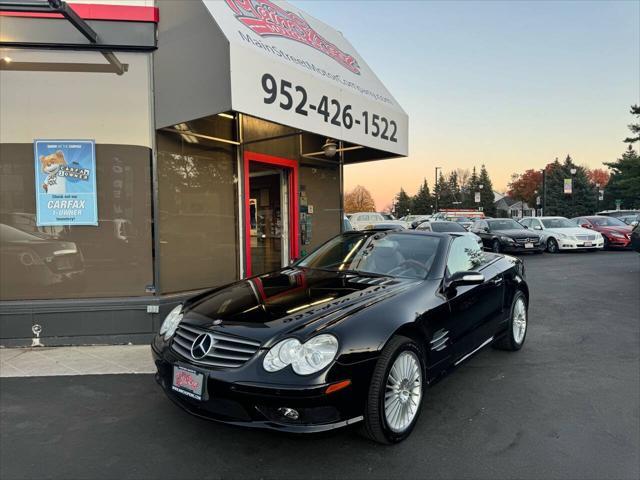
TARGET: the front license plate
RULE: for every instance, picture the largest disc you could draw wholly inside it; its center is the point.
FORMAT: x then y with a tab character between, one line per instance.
187	382
588	244
528	245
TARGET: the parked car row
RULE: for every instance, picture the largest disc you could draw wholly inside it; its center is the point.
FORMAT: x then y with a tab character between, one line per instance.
530	234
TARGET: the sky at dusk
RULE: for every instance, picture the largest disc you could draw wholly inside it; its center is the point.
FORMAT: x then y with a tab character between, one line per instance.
508	84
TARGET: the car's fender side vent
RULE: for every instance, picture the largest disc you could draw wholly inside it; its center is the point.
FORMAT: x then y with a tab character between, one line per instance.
439	340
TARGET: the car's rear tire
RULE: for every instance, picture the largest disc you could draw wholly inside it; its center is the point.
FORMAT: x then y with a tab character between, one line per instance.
607	245
495	246
517	325
552	245
393	404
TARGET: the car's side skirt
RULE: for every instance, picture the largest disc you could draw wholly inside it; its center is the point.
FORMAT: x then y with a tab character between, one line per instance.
484	344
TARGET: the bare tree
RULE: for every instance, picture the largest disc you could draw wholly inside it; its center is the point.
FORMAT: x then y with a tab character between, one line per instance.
359	200
464	175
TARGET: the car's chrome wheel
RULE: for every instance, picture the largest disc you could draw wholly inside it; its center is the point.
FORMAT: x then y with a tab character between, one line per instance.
403	392
552	246
519	322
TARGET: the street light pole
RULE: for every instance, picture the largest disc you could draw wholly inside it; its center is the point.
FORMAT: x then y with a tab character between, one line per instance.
436	189
543	207
573	195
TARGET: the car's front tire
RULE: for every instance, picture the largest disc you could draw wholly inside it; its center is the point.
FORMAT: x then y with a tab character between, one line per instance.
396	392
552	245
517	325
495	246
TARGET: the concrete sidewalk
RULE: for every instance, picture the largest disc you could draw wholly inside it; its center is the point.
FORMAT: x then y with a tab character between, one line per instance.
89	360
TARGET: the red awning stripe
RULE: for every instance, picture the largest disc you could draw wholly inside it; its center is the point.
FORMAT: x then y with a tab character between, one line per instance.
122	13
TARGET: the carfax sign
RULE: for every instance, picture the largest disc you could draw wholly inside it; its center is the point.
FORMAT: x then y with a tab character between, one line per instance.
65	182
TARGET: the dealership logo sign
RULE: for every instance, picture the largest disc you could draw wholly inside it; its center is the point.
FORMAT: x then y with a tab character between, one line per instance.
267	19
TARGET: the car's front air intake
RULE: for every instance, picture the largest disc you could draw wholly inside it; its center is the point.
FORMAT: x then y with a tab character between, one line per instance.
212	348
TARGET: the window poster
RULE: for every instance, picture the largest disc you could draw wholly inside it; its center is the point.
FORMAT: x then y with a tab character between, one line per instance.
65	182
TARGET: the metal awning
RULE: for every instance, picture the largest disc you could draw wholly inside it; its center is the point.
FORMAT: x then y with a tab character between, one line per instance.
273	61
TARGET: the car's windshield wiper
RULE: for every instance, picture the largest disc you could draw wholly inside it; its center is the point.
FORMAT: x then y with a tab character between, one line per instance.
363	273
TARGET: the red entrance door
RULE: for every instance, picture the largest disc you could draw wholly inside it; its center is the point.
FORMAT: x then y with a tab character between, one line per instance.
271	212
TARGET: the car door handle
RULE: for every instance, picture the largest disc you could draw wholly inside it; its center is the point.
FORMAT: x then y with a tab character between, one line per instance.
497	281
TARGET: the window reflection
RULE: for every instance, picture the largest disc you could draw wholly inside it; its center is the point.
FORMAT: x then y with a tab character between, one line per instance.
112	259
198	224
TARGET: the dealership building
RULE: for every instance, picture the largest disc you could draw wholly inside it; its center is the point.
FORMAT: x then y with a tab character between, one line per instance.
150	150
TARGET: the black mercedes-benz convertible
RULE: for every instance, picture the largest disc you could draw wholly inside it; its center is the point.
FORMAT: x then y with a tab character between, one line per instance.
354	332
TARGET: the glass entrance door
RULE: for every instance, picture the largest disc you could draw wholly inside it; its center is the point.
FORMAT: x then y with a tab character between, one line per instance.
271	241
269	222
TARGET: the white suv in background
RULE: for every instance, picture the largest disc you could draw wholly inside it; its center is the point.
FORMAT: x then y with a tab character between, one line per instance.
560	233
360	220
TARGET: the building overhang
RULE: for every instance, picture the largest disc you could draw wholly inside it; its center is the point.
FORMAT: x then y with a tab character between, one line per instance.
272	61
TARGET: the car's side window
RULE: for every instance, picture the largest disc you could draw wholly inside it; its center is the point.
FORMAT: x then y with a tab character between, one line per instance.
464	255
536	224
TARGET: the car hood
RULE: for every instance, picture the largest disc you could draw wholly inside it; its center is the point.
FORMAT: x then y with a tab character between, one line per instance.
517	233
571	231
291	299
623	230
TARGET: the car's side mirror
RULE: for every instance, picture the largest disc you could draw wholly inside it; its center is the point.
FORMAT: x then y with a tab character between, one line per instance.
537	227
585	225
464	278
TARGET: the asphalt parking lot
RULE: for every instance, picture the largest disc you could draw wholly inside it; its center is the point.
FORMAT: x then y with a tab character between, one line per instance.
566	406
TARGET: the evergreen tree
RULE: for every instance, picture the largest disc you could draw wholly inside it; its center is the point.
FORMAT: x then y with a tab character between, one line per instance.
454	188
486	193
443	191
422	202
624	184
582	200
469	200
402	205
634	127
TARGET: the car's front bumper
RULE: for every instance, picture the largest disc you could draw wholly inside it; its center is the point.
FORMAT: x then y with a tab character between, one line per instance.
258	405
571	244
520	248
618	242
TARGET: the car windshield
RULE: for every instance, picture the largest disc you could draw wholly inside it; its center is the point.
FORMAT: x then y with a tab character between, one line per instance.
463	219
385	253
558	223
506	224
607	222
446	227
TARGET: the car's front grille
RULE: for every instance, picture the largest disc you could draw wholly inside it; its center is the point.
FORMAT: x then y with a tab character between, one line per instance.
226	351
535	241
585	237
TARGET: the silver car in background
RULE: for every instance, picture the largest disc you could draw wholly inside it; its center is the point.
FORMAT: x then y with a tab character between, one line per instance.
361	220
442	226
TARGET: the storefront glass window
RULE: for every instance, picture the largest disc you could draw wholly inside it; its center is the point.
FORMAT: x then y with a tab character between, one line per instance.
111	259
72	96
198	208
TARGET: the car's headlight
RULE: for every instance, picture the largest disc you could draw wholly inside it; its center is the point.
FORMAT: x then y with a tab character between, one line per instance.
506	239
305	358
171	322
